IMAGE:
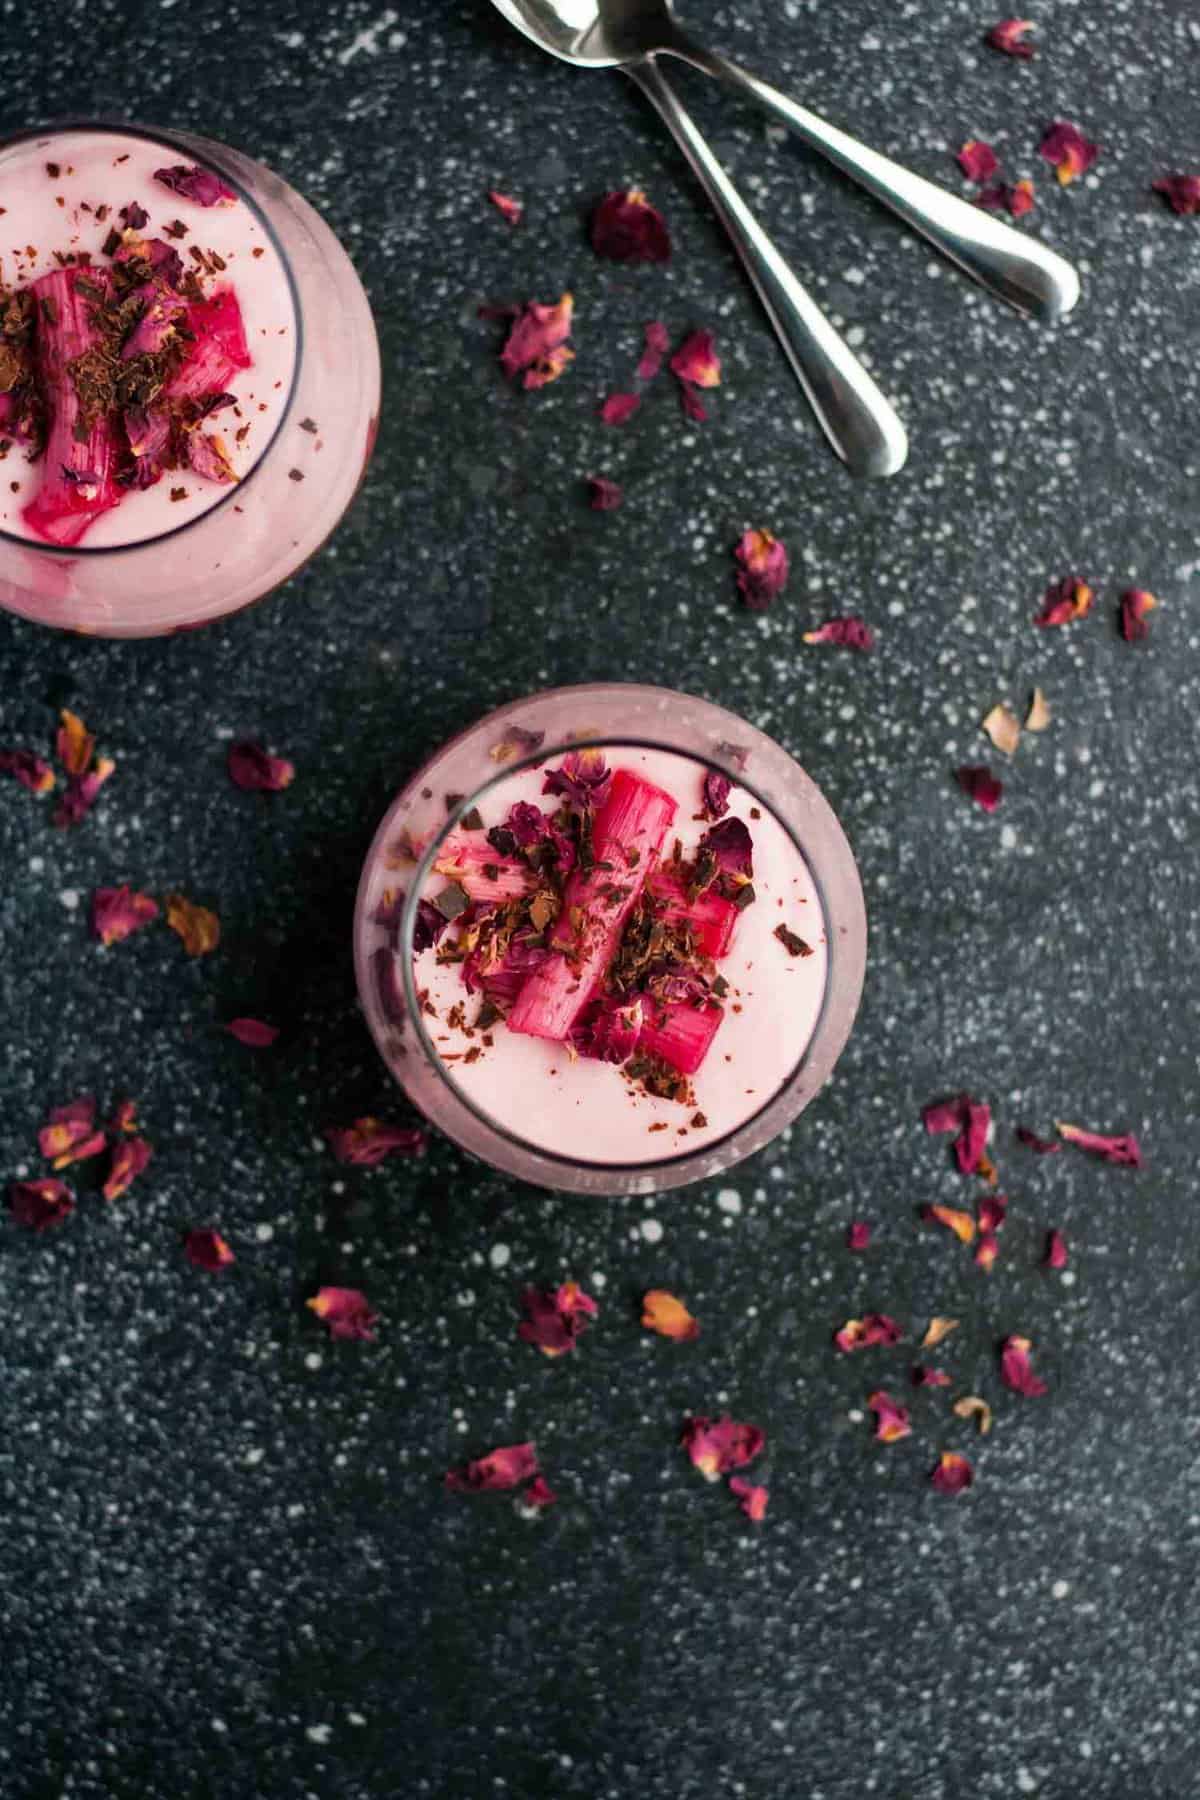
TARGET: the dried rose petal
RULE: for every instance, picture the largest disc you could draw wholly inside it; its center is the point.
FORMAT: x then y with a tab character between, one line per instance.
752	1496
124	1116
1135	604
924	1376
718	1445
986	1169
1064	145
972	1119
208	1250
851	632
663	1313
729	841
764	569
39	1205
255	1032
345	1312
1039	1145
626	228
506	204
536	346
953	1474
368	1141
1004	729
938	1329
118	911
73	743
129	1159
1056	1256
1038	716
960	1223
1124	1149
584	778
690	401
1015	198
977	160
250	767
517	741
505	1468
696	365
554	1317
1065	601
30	770
891	1419
657	342
858	1235
539	1493
980	785
619	407
972	1407
199	185
81	792
604	495
1181	192
992	1210
1011	37
986	1251
69	1134
1016	1372
714	794
867	1332
198	928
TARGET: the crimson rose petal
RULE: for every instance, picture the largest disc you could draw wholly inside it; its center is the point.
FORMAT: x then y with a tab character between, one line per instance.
1065	601
250	767
657	343
539	1493
1056	1256
1123	1149
980	785
1039	1145
208	1250
1011	38
197	184
116	912
764	568
1181	192
626	228
953	1474
1135	604
718	1445
1016	1371
536	347
40	1205
865	1333
254	1032
1064	145
604	495
508	1467
618	408
345	1312
368	1141
507	205
129	1158
753	1497
892	1420
858	1235
555	1317
31	771
851	632
977	160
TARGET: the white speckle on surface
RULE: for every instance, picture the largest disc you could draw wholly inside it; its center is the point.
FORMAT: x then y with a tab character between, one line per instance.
254	1456
1026	1782
499	1256
314	1360
318	1734
729	1200
366	41
264	1233
69	897
219	1725
1061	1589
652	1231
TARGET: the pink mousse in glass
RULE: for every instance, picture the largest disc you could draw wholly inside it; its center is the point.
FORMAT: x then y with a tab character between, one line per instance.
189	379
625	958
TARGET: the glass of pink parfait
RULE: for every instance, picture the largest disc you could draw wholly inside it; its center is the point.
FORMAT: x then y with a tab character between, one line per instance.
611	939
189	379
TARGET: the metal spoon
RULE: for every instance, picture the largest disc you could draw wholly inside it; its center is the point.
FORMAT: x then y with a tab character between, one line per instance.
610	34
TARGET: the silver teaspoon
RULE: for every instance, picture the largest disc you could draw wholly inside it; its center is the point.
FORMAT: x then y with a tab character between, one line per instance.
854	415
608	34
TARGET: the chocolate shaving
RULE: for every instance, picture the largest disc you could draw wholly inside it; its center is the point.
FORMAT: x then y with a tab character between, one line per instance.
795	946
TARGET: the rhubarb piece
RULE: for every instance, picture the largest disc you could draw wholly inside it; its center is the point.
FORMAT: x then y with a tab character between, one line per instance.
345	1313
500	970
507	205
1011	38
116	912
1135	604
196	184
555	1317
663	1313
481	871
626	228
77	378
251	767
254	1032
208	1250
509	1467
219	350
752	1497
680	1034
32	771
626	838
711	916
40	1205
718	1446
953	1474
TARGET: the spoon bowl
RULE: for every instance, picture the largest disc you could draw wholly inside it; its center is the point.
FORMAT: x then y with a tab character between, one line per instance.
594	34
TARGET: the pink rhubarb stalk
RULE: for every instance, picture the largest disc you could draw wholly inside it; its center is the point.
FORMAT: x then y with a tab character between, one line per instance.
627	837
710	915
680	1033
79	461
220	349
482	871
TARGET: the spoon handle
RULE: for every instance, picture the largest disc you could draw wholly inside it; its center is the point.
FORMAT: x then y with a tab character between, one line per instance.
1010	265
853	414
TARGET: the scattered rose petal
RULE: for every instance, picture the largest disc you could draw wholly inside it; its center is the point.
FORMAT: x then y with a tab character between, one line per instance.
73	743
924	1376
116	912
1016	1371
891	1419
555	1317
1038	716
971	1119
124	1116
584	778
714	794
764	569
539	1493
40	1205
198	928
255	1032
129	1159
208	1250
1016	198
980	785
977	160
972	1407
1124	1149
516	742
506	204
81	792
960	1223
1064	145
1181	192
626	228
657	343
851	632
992	1210
31	771
729	841
604	495
938	1329
717	1446
663	1313
953	1474
696	365
250	767
345	1312
69	1134
368	1141
1135	604
867	1332
986	1169
619	407
1011	37
1056	1256
1065	601
536	347
1004	729
986	1251
1039	1145
752	1496
858	1235
197	184
505	1468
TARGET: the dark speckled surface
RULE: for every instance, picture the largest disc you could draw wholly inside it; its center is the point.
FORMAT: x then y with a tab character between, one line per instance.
227	1565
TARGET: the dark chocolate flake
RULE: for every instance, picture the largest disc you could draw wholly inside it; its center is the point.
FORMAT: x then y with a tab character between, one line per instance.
744	896
472	820
295	475
452	901
112	243
794	945
309	425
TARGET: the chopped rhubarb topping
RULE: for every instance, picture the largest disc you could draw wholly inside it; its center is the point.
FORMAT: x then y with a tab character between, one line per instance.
609	1029
77	378
219	350
711	916
627	835
481	871
680	1033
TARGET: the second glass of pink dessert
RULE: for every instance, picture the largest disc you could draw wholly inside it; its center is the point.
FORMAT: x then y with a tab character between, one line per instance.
611	939
189	379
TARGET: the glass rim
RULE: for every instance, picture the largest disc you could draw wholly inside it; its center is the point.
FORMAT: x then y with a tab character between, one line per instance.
180	140
406	924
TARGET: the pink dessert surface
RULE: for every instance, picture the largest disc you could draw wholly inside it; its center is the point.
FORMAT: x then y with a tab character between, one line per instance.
607	971
147	339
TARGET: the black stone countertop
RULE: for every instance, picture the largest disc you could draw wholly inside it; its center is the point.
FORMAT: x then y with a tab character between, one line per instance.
227	1564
